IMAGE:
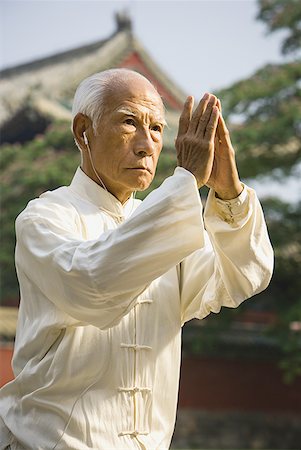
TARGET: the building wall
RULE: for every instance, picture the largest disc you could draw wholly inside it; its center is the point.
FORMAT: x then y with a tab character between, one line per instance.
232	430
219	384
236	404
6	373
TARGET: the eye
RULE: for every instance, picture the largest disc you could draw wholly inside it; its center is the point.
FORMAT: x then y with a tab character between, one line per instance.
157	127
129	121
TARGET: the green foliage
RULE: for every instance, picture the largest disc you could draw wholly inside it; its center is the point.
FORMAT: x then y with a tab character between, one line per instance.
268	106
283	15
43	164
288	336
59	137
284	293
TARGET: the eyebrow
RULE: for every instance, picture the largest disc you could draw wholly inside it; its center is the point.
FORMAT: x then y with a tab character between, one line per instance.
129	112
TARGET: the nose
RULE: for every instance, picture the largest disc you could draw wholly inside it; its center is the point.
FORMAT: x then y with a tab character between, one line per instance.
144	144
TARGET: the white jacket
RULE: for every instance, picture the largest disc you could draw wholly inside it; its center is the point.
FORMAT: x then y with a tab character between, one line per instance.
105	290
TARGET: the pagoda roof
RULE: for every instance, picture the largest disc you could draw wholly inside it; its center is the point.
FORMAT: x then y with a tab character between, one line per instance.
48	84
110	52
51	59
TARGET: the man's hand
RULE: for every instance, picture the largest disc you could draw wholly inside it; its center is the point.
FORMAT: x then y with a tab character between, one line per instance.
204	147
224	177
195	140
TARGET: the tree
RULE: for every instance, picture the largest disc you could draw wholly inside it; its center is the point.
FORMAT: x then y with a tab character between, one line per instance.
28	170
265	112
283	15
269	110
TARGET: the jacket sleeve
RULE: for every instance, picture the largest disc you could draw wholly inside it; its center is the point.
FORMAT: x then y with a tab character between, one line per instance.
97	281
236	261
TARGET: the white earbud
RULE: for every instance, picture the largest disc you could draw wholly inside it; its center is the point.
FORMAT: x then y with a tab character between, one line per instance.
85	138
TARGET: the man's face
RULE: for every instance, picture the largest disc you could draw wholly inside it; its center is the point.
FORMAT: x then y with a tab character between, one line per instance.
128	143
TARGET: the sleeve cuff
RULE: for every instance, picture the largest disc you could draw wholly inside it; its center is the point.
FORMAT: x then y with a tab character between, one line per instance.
234	204
230	211
185	172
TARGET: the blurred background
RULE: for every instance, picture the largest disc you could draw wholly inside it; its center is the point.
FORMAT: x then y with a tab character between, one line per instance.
241	369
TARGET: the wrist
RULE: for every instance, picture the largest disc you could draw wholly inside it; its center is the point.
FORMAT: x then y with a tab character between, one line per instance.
231	193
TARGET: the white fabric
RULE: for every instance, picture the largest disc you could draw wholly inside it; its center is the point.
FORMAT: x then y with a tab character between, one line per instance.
105	290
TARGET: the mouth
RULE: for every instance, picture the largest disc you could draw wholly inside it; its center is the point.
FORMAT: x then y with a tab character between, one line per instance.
142	168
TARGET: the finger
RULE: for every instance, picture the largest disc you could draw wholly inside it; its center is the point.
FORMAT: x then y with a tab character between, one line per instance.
222	130
204	120
200	109
212	124
217	141
185	116
219	105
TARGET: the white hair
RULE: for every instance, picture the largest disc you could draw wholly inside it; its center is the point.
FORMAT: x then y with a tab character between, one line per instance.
89	98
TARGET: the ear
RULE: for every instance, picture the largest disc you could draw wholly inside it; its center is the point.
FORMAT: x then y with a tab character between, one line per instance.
81	124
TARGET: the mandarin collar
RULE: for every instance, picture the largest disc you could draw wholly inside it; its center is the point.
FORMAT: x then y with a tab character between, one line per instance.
86	188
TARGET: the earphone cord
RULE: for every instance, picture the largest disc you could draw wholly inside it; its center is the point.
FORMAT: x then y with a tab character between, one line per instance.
93	167
104	186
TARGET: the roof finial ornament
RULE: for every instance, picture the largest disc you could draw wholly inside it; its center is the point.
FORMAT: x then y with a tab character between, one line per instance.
123	20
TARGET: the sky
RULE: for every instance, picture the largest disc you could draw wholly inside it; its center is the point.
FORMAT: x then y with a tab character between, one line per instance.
203	45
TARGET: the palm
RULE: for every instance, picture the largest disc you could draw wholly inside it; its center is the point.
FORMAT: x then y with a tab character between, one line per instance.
224	175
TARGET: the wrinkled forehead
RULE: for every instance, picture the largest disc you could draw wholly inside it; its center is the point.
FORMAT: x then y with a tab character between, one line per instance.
139	109
135	97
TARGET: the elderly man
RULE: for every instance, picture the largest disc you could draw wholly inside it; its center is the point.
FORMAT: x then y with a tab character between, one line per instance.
107	281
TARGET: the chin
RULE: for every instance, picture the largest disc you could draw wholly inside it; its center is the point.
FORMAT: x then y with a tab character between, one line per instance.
141	189
142	184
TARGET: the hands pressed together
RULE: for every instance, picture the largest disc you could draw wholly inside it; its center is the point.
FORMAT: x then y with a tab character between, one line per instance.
204	147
